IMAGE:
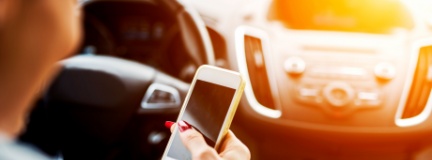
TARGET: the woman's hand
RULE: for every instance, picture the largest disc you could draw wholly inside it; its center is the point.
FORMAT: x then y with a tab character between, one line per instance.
231	147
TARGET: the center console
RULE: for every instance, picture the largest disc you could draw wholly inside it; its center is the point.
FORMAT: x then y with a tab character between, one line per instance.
338	81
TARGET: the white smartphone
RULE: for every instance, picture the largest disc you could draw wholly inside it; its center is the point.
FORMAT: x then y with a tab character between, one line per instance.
209	107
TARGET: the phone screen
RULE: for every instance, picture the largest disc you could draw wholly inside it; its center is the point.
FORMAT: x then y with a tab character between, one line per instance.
206	111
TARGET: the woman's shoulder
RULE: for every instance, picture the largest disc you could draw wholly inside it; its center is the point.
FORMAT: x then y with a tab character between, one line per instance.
12	150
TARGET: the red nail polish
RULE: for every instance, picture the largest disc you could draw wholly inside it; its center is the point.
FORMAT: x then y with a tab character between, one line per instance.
183	126
168	124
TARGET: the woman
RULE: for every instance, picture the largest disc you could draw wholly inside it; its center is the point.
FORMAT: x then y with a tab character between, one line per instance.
34	35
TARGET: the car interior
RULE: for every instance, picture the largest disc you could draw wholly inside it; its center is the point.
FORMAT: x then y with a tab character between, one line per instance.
339	79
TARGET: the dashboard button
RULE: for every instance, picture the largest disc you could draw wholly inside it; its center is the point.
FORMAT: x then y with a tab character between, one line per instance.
309	94
368	99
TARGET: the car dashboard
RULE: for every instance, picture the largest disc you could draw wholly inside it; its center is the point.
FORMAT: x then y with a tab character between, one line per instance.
325	86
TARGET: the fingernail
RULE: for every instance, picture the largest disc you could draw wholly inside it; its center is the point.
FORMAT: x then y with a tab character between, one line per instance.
183	126
168	124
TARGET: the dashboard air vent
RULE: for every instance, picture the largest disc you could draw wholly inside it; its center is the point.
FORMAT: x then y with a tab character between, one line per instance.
257	71
421	84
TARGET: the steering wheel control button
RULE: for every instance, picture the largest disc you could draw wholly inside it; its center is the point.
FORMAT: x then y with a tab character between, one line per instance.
385	71
156	138
338	94
160	96
294	66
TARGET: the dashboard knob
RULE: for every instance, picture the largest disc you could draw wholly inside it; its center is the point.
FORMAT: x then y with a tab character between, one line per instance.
385	71
338	94
294	65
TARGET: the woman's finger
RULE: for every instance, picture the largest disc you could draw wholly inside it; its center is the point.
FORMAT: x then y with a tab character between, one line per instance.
233	148
195	143
170	125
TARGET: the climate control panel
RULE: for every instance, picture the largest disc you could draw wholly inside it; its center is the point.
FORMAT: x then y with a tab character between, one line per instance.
337	87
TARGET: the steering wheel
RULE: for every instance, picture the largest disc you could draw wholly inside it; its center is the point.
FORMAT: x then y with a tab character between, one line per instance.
96	99
94	108
194	36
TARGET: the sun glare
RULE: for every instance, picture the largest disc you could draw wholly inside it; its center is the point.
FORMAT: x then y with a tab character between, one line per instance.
423	7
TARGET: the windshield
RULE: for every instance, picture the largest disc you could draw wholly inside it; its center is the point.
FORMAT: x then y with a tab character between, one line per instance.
369	16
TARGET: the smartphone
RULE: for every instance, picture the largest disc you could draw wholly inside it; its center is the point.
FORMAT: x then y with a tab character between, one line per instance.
209	107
